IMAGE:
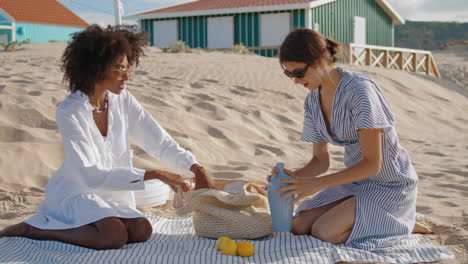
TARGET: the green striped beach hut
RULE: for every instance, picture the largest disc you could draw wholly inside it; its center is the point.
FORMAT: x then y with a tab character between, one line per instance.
262	25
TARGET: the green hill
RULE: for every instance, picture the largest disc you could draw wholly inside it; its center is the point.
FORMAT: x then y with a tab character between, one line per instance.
429	35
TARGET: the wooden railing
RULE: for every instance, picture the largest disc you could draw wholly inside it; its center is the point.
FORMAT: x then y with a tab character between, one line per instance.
393	58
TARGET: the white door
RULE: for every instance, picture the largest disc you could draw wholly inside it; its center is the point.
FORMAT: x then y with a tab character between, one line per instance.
359	30
274	28
220	32
165	32
359	33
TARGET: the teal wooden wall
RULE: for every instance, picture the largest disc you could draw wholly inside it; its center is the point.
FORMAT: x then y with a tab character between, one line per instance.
335	20
44	32
6	32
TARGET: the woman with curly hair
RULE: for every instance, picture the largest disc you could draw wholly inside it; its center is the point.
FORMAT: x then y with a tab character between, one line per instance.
89	201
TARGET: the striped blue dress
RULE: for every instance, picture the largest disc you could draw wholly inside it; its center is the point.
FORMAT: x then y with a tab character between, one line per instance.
385	202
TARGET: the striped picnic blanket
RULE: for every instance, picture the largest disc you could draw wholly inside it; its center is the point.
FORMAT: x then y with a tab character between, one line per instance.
173	242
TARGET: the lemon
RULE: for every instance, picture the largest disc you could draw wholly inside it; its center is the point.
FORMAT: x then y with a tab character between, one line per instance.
245	249
221	241
229	248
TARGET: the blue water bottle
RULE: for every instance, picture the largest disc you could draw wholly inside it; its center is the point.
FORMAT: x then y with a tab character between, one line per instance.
281	211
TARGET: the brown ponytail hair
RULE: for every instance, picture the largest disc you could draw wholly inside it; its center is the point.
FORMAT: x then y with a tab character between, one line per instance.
308	46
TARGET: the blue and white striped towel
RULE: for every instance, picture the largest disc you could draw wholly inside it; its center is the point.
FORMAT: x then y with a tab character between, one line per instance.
173	242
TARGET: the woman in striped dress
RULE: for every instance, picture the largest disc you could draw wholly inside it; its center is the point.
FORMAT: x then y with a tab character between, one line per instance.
372	201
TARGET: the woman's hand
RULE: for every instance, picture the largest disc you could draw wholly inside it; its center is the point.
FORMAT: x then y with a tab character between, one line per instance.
300	187
175	181
202	179
275	171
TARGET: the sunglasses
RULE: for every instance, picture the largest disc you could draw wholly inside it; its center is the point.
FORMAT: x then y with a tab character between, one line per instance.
123	70
297	74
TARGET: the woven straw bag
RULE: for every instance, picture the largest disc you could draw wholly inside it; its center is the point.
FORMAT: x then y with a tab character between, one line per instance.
240	211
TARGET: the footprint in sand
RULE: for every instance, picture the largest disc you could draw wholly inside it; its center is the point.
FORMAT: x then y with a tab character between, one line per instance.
237	168
32	118
35	93
464	189
455	240
176	134
209	80
287	96
438	97
11	135
22	81
216	133
238	92
204	97
197	85
140	72
169	78
449	204
423	209
457	172
260	148
284	119
244	89
153	101
227	174
432	175
237	109
206	106
257	113
436	196
438	154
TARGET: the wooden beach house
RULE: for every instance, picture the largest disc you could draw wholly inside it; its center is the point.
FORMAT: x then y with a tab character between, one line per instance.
262	25
37	20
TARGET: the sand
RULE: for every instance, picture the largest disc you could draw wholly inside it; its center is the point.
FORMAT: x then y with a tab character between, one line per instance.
239	115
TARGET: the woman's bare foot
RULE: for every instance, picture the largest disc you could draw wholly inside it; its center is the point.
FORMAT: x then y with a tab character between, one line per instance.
420	228
19	230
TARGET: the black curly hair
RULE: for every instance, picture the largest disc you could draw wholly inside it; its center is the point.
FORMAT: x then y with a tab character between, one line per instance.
93	51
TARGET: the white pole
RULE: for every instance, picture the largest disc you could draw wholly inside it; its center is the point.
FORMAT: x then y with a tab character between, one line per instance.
118	12
13	31
308	18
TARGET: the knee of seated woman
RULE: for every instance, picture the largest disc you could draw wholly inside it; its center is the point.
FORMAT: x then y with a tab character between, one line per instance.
113	235
300	226
325	234
139	230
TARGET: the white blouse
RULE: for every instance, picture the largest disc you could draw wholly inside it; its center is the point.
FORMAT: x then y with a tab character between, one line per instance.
97	179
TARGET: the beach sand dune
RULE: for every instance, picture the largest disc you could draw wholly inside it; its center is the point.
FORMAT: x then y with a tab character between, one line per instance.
239	115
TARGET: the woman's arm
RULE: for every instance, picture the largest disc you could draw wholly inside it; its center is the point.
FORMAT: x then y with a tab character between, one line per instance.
370	165
149	135
175	181
319	163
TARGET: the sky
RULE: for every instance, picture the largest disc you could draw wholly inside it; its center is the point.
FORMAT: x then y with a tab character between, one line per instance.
102	11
